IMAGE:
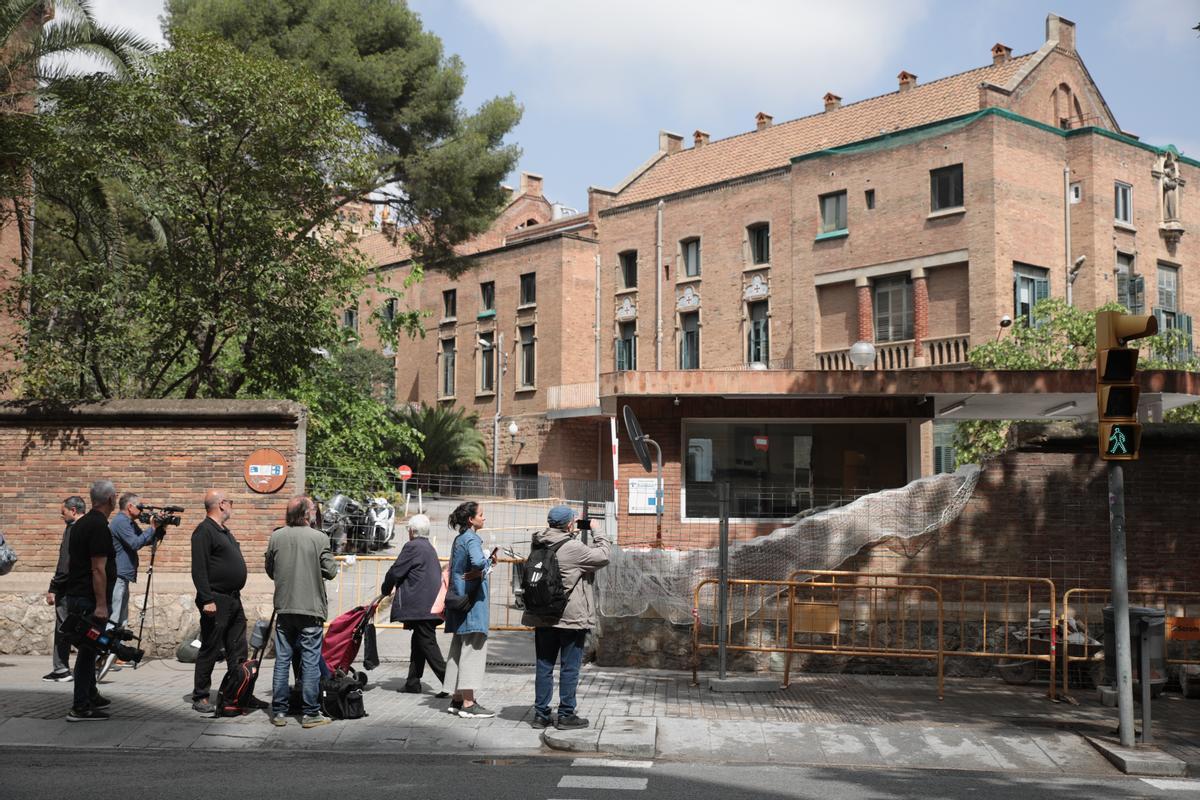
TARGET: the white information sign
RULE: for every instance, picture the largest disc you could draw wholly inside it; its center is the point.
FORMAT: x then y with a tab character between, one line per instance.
641	495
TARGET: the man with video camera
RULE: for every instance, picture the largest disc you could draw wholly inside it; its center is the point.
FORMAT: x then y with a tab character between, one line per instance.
128	537
91	575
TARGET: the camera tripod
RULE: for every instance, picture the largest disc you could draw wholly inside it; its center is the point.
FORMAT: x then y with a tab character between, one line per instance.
105	665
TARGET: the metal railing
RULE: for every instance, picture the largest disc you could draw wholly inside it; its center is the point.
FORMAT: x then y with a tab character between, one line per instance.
359	580
1086	610
814	609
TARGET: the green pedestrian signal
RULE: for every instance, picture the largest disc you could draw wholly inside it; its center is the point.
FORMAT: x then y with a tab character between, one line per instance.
1117	391
1116	441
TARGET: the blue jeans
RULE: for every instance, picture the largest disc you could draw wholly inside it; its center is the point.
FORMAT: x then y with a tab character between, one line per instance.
551	645
85	661
118	610
295	632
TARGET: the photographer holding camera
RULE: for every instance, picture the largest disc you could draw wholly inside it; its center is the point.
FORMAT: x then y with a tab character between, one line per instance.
91	575
128	537
562	609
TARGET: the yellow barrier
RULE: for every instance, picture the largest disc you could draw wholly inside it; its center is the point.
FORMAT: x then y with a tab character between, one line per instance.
359	582
1084	611
813	609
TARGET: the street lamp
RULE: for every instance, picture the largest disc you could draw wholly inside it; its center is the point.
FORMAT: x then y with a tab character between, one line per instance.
513	430
862	355
497	345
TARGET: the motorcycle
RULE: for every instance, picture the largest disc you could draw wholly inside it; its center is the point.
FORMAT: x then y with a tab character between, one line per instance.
345	522
381	521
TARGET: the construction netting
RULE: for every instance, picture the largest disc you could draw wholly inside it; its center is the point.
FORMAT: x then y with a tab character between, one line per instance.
642	578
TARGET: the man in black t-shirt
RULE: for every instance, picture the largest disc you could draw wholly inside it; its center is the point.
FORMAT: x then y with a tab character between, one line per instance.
91	575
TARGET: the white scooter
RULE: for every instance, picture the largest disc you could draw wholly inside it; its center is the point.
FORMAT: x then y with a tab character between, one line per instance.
381	522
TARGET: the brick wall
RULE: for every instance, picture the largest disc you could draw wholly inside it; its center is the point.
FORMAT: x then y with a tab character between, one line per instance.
170	452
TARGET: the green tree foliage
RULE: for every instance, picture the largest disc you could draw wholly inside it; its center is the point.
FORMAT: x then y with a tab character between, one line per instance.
1061	337
354	439
446	164
450	440
31	66
192	246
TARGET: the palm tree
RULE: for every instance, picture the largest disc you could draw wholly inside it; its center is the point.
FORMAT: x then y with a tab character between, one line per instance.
451	440
37	37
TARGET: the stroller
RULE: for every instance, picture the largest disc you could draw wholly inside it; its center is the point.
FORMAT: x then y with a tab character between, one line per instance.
346	634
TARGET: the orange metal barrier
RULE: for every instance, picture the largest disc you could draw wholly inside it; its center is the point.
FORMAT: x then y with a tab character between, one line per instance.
813	609
358	583
1086	609
1001	606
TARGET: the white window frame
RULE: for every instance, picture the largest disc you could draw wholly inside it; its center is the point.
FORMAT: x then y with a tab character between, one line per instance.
689	256
887	323
487	363
1123	202
686	349
758	332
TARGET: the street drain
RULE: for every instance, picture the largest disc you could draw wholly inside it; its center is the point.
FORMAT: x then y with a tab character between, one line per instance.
500	762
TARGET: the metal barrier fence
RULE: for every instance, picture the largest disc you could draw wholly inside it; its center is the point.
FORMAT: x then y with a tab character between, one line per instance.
361	577
992	613
1187	651
814	609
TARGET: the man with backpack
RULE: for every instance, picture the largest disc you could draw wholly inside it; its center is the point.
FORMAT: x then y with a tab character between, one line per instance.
560	605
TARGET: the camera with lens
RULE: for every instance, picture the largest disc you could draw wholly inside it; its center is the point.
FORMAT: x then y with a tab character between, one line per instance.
159	516
584	524
88	632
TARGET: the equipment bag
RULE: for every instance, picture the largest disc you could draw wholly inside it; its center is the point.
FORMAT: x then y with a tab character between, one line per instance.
342	697
237	687
8	557
542	584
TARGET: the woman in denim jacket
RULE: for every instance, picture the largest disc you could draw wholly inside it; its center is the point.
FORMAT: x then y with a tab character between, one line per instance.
469	569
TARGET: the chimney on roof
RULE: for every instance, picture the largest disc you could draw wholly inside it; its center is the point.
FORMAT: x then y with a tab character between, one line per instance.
669	142
832	101
531	184
700	138
1001	53
907	80
1061	31
762	121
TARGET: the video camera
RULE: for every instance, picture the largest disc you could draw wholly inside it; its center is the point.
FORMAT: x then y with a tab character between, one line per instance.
87	632
159	516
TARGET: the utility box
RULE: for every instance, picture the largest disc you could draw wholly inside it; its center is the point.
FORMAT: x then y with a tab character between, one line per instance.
1156	618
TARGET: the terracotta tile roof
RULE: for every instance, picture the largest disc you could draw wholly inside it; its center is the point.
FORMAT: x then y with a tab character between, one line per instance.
757	151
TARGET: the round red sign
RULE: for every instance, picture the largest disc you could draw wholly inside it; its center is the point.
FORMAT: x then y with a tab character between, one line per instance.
265	471
405	472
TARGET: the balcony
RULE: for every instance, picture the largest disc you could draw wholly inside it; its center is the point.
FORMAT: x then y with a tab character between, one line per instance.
573	400
944	351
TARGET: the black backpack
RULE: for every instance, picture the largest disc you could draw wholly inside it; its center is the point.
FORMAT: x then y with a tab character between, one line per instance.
542	584
342	698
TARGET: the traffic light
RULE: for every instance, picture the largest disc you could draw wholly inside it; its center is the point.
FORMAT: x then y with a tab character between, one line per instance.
1116	382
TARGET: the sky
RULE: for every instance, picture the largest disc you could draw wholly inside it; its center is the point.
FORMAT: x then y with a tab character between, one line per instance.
599	78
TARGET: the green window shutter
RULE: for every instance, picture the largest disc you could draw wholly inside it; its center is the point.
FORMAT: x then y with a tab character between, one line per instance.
1185	324
1137	293
1041	290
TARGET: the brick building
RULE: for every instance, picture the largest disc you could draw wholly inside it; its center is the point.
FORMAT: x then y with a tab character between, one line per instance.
916	221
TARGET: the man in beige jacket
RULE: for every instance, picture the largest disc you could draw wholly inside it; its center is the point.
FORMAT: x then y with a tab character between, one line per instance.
562	638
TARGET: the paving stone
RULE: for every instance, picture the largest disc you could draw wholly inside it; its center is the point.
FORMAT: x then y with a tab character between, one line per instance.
792	743
849	745
680	737
579	741
629	736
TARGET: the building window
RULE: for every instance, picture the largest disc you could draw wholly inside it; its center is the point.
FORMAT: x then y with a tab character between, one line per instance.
487	363
1030	284
449	358
689	341
627	347
529	288
629	269
833	212
528	362
869	196
758	348
945	458
946	187
1130	286
691	257
893	309
760	244
450	303
1168	296
1076	193
487	296
1123	203
389	310
350	320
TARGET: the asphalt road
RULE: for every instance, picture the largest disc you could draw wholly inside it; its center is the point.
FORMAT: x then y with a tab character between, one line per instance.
171	775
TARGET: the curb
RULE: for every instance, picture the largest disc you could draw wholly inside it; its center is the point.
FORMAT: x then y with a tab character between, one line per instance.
1139	760
627	736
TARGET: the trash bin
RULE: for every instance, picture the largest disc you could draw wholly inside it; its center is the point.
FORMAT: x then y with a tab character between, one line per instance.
1157	619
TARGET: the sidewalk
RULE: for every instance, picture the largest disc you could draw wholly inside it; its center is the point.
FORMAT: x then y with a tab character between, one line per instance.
867	720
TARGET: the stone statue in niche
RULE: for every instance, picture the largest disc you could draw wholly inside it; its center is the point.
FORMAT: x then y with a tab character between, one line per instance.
1170	186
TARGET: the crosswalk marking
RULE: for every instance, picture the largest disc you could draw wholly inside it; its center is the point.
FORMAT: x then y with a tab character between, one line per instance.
601	782
612	762
1169	785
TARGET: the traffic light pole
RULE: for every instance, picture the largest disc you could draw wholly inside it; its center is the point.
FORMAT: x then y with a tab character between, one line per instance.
1120	600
